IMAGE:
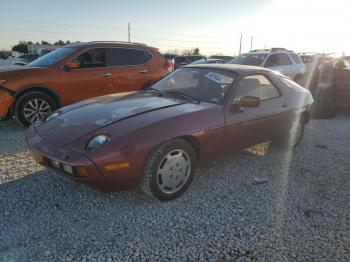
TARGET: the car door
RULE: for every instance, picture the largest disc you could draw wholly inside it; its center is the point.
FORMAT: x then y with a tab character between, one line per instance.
249	126
341	81
280	62
92	78
130	68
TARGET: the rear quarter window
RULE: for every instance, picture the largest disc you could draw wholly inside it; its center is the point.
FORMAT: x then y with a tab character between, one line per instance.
129	56
291	84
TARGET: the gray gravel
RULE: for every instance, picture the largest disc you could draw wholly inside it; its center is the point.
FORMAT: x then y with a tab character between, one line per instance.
300	213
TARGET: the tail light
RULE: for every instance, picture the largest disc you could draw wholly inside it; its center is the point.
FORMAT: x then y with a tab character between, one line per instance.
168	65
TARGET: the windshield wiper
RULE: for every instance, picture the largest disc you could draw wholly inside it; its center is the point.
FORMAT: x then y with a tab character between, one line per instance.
183	95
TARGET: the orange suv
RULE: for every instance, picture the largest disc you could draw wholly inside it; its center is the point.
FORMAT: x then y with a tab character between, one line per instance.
77	72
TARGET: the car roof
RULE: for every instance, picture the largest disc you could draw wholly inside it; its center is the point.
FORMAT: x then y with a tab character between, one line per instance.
93	43
270	51
240	69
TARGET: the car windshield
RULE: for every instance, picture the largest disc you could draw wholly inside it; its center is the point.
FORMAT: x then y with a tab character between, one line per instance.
202	84
249	59
52	57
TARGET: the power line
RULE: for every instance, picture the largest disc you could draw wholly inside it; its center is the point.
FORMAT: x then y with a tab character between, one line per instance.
167	33
110	35
61	24
55	32
104	26
182	41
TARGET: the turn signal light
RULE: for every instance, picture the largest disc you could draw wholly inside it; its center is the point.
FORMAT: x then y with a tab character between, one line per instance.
112	167
81	172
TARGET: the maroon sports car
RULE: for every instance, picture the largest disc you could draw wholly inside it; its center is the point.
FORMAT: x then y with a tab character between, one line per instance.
154	138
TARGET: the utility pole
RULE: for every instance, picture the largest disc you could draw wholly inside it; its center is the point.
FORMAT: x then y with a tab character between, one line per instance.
251	43
240	45
129	32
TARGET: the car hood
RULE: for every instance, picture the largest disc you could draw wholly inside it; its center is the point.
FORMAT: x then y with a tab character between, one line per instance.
82	118
7	68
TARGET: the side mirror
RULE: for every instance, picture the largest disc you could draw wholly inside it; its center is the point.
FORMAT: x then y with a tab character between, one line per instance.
72	65
247	101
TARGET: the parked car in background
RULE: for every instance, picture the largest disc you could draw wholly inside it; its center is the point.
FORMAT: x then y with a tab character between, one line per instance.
312	62
208	61
10	60
181	61
170	58
29	57
76	72
226	58
332	88
278	59
154	138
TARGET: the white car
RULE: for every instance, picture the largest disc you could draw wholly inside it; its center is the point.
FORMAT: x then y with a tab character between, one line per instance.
282	60
9	60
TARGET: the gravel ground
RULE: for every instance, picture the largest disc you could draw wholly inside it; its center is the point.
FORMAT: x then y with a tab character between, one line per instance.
261	205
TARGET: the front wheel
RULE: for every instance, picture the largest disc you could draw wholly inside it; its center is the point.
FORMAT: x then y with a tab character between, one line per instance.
32	107
169	170
294	135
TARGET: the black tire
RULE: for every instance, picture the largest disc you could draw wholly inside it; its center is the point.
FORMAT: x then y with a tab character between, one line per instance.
150	184
27	97
289	141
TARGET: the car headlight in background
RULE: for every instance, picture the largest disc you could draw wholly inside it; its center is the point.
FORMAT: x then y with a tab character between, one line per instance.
55	164
97	141
52	116
68	169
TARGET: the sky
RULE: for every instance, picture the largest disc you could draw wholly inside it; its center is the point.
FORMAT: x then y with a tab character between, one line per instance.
214	26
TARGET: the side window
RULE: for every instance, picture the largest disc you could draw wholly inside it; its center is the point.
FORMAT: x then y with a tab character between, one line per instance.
272	61
268	90
129	57
277	60
283	59
296	58
342	64
92	58
257	86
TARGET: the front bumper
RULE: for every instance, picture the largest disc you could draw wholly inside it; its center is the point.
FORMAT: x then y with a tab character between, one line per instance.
6	101
44	153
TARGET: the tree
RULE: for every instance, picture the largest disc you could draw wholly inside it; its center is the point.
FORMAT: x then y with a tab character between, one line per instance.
43	42
22	47
59	42
192	51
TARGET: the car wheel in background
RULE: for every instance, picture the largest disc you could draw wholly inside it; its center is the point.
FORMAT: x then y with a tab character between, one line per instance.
294	135
169	170
33	106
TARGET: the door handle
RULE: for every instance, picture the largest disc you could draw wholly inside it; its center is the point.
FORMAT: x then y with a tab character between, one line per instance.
107	74
143	71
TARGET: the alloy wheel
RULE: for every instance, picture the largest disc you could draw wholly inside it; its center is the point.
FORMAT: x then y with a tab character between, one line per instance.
36	109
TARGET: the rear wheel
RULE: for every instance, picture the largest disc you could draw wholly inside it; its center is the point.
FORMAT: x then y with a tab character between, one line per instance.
32	107
169	170
294	135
